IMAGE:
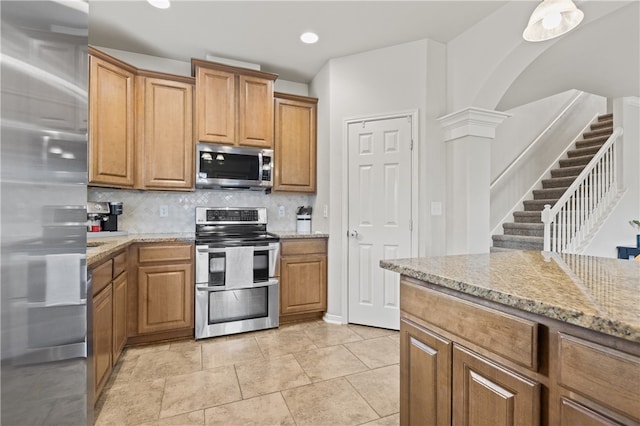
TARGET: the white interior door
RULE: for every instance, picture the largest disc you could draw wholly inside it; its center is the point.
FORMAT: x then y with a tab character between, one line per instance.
379	217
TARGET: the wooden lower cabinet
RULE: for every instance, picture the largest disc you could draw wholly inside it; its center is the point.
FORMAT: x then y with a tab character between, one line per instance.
165	297
119	315
102	339
109	317
425	376
303	279
487	393
161	297
466	361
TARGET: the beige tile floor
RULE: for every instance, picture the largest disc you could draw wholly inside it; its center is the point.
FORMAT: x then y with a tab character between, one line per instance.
311	373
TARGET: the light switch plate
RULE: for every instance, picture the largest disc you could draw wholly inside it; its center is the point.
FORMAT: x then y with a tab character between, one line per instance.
436	208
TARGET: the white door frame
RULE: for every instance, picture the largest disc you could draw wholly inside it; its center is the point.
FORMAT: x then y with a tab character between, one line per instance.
415	184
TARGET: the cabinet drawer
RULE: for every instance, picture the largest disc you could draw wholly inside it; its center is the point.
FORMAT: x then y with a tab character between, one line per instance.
102	276
604	375
119	264
304	246
164	253
508	336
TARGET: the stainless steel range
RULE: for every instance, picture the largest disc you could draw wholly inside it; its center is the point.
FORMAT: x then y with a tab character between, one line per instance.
236	271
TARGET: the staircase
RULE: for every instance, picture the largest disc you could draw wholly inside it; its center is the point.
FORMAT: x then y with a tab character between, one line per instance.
526	232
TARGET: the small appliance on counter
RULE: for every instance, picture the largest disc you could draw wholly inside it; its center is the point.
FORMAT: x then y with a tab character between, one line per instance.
303	225
103	216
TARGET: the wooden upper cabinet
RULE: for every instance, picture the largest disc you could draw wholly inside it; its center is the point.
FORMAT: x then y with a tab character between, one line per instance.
295	143
233	105
111	118
165	133
216	105
255	118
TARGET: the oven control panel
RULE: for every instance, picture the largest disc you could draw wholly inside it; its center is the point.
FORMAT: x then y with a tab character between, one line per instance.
221	215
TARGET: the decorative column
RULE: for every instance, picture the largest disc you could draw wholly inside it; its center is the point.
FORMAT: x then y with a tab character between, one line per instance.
468	134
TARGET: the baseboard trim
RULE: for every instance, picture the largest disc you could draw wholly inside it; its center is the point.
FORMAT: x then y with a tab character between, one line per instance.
333	319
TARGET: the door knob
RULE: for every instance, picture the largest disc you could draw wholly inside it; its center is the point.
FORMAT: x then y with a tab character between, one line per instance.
353	234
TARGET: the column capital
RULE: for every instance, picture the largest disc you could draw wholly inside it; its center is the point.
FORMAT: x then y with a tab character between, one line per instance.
471	121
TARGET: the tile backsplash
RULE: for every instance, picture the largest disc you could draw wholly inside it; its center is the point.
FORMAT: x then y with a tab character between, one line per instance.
141	209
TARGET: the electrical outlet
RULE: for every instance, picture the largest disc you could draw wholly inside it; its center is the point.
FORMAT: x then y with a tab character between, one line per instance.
163	211
325	211
281	211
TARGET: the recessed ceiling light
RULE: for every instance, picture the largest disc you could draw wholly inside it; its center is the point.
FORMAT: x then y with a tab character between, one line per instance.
160	4
309	37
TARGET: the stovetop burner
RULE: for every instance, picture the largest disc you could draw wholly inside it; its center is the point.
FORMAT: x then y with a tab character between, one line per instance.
228	226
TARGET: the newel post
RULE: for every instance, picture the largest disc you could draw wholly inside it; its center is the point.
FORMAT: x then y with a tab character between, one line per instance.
546	219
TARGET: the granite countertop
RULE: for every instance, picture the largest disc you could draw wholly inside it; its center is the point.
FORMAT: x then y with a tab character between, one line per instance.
285	235
596	293
107	246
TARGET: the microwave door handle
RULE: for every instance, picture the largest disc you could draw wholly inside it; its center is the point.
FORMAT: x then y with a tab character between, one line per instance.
260	164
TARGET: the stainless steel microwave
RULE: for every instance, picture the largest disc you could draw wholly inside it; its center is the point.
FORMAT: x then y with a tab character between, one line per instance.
230	167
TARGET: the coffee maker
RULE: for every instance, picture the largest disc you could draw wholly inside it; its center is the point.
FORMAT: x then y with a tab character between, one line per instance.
103	216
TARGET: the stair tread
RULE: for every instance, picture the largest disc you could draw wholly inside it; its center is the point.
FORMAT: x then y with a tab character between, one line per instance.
558	182
517	238
567	171
584	142
539	225
602	123
598	131
585	151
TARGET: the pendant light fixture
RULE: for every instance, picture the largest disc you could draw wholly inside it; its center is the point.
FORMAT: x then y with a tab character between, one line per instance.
551	19
160	4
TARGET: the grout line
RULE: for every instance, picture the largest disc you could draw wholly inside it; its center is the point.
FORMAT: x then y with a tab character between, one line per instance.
288	408
238	382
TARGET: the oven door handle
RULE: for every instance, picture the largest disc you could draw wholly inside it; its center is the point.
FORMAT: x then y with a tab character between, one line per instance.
205	249
271	281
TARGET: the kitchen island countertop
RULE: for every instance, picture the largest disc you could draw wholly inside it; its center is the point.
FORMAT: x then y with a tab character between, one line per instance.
599	294
102	248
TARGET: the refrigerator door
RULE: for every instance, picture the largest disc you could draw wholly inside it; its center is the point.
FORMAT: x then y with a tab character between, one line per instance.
45	359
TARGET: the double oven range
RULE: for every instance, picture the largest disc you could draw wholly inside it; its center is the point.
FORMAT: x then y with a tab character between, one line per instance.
236	268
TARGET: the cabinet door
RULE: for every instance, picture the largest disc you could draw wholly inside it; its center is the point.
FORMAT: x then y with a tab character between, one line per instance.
111	112
486	393
166	146
216	105
425	377
102	339
573	413
303	284
295	146
165	297
119	315
255	117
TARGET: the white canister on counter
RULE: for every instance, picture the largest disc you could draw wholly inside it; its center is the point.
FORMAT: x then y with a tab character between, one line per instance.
303	223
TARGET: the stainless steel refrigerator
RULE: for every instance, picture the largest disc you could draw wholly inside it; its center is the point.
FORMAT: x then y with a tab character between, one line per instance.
45	344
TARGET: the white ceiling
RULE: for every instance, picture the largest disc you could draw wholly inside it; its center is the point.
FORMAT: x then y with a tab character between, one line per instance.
600	57
267	32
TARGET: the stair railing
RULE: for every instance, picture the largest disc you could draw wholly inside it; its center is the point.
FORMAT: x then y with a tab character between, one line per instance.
575	215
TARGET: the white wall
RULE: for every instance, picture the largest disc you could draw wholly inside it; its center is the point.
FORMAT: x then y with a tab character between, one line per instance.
484	61
616	231
518	134
383	81
170	66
